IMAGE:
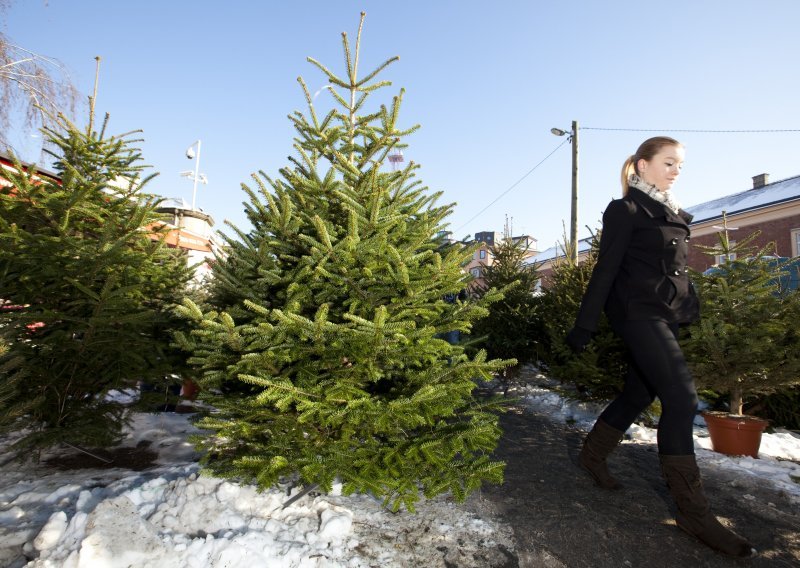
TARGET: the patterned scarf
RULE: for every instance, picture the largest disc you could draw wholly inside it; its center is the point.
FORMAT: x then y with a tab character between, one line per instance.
664	197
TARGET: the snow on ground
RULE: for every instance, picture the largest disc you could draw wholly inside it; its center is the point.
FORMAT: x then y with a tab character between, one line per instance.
170	516
778	457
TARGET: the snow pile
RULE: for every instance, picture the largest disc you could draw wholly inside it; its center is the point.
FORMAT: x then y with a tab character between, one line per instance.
191	521
169	516
172	517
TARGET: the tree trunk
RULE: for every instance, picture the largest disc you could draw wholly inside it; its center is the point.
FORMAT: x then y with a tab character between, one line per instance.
736	401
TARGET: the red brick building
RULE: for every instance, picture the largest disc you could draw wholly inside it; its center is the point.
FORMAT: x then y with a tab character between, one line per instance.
771	208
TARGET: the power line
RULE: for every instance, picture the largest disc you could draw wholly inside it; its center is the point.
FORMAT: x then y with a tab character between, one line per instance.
693	130
515	184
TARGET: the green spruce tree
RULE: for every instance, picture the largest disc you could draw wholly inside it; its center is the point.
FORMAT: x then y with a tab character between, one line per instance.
88	295
597	373
512	328
325	359
745	343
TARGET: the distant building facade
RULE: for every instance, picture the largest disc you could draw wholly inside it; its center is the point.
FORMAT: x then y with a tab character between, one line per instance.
483	256
193	231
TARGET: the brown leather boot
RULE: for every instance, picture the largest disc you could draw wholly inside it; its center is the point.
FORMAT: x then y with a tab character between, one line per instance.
600	442
694	515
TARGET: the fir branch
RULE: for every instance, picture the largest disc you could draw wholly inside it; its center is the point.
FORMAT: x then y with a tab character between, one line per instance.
332	78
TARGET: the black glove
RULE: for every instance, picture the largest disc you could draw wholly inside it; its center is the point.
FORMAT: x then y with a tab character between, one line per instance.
578	338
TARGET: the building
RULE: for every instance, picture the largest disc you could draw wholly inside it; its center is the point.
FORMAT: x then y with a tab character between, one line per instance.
6	164
483	256
771	208
548	258
191	230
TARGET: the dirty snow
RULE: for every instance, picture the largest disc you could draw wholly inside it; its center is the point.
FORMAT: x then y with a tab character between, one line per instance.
170	516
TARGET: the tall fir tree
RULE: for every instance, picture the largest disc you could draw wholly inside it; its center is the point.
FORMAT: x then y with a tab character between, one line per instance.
88	295
326	360
511	330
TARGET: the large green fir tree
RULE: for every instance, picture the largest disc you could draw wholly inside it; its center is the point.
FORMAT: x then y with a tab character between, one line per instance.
328	359
88	295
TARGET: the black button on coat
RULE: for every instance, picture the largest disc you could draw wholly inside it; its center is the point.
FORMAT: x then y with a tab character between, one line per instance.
641	271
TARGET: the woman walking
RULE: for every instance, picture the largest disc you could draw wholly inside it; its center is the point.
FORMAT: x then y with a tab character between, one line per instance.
641	281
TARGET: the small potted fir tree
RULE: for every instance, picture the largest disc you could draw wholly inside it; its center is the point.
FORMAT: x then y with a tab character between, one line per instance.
746	342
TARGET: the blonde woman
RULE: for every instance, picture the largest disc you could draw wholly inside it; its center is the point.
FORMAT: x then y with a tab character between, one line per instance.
641	282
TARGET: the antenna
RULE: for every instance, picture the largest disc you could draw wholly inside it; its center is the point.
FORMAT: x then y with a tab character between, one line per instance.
508	228
396	158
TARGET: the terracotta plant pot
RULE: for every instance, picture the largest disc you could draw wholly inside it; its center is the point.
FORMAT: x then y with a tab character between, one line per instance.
733	434
189	389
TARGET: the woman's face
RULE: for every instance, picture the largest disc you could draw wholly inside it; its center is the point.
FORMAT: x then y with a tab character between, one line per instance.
664	168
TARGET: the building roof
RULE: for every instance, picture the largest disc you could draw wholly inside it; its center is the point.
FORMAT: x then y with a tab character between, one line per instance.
557	251
767	195
175	205
770	194
7	162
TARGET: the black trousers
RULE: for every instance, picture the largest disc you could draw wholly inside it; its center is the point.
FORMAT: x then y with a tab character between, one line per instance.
656	368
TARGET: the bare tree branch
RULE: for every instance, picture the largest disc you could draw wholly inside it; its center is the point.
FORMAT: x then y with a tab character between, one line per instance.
34	89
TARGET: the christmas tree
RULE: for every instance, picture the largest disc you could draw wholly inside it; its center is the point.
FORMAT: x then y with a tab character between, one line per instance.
88	291
746	340
511	329
325	358
597	373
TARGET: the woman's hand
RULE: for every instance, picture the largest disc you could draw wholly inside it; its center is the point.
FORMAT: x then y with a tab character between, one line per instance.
578	338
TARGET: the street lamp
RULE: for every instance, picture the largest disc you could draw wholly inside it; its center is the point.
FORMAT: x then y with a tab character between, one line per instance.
573	225
194	175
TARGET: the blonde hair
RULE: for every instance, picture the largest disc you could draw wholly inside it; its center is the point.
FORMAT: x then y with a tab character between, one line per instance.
646	151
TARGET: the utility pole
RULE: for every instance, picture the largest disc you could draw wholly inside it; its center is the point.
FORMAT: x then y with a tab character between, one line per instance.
574	210
196	171
194	175
573	223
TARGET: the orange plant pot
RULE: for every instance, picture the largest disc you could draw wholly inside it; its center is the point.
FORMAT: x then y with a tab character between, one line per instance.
189	389
735	435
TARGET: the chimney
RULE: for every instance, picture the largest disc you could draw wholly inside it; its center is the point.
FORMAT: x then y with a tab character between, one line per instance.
760	180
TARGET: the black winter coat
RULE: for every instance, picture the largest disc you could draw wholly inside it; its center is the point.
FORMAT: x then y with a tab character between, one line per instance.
641	271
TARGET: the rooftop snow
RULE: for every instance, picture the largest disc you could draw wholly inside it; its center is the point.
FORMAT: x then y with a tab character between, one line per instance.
776	192
770	194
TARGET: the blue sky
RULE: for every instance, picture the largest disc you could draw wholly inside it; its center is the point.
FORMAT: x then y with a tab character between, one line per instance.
485	80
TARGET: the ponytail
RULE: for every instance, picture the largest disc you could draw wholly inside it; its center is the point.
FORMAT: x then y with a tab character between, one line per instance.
628	169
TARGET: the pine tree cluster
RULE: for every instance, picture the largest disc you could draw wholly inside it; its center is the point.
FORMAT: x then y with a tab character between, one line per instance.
513	327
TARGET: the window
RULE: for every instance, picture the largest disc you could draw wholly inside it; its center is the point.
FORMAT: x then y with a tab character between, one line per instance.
482	254
723	258
476	272
795	242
